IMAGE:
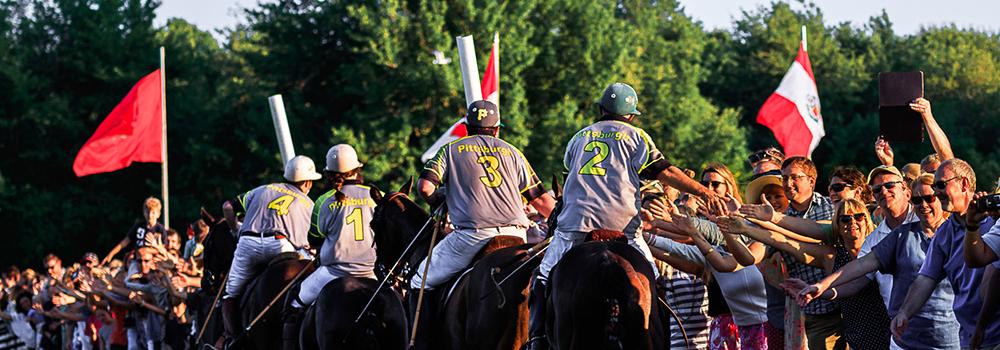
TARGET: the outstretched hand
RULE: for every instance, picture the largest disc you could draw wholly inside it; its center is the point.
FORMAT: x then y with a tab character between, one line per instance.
731	225
793	286
808	294
763	212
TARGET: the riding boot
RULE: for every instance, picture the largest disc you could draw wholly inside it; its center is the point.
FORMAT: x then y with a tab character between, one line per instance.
230	318
536	312
290	332
427	313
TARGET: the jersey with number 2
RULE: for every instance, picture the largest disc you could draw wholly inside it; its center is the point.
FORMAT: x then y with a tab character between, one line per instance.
604	162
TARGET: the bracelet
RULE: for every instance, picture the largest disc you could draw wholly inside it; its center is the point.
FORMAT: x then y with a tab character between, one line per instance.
971	228
650	240
834	296
710	251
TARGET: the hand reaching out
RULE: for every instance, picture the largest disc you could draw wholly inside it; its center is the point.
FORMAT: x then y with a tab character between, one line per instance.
763	212
808	294
793	286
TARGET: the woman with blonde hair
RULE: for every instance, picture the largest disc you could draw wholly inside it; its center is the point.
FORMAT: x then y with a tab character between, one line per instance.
719	179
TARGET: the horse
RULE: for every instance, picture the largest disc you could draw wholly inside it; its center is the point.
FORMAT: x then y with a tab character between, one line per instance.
330	322
220	244
471	302
603	296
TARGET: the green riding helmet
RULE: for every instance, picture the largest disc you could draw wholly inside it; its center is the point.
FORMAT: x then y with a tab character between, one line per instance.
620	99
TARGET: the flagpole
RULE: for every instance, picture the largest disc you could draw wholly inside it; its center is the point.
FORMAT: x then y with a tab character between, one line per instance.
804	47
163	150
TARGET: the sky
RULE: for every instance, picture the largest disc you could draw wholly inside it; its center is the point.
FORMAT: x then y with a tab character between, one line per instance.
907	16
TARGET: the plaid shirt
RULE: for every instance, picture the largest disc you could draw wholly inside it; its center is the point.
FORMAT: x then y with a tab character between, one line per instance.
820	208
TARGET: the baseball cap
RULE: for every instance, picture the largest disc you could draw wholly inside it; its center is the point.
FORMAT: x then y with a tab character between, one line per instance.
882	169
482	114
911	171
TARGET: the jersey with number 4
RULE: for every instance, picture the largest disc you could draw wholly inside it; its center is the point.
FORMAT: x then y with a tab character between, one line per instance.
344	225
488	182
605	162
279	208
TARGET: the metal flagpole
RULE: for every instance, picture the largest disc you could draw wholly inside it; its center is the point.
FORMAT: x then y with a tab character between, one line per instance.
163	150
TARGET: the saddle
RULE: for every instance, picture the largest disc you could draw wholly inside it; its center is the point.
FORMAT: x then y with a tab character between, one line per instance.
254	279
496	243
606	236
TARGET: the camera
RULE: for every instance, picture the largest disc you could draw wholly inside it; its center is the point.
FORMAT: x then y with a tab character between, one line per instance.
988	203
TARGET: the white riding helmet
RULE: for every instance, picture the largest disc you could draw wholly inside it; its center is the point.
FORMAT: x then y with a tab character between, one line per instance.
301	168
342	158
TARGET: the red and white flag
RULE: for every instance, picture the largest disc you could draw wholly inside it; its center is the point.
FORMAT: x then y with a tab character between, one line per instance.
490	86
793	110
491	78
132	132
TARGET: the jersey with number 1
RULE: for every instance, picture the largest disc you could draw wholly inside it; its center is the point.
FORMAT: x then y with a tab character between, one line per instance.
488	182
344	225
605	162
279	208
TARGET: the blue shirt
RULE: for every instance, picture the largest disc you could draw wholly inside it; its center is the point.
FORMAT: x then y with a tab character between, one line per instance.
900	254
945	260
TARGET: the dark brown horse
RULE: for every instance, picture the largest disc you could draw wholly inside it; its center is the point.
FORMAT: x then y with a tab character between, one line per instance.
219	248
333	323
603	296
476	311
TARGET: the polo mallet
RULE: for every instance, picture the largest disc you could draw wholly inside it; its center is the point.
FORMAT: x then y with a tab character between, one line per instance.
396	264
211	311
423	285
260	315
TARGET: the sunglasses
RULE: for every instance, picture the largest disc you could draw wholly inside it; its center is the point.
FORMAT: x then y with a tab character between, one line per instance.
916	200
769	153
888	185
943	183
847	218
837	187
712	184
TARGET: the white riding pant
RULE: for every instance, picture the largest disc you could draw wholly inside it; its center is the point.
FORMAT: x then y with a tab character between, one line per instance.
562	241
312	285
252	252
456	251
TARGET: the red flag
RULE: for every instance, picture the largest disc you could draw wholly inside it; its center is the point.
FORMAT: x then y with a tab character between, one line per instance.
793	110
491	78
132	132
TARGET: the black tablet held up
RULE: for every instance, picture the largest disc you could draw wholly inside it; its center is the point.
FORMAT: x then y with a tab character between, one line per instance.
897	122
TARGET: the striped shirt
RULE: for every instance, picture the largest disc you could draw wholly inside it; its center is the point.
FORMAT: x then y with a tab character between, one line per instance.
687	295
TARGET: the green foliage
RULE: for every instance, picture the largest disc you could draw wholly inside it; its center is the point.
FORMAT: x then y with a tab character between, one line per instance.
361	72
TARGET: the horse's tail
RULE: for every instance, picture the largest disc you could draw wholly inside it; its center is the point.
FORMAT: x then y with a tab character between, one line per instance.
619	304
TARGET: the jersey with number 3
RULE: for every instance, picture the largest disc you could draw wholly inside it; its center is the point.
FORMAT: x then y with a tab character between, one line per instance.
488	182
277	208
605	162
344	225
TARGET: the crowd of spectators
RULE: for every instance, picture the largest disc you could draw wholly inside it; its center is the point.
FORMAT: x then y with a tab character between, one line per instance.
134	298
883	259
